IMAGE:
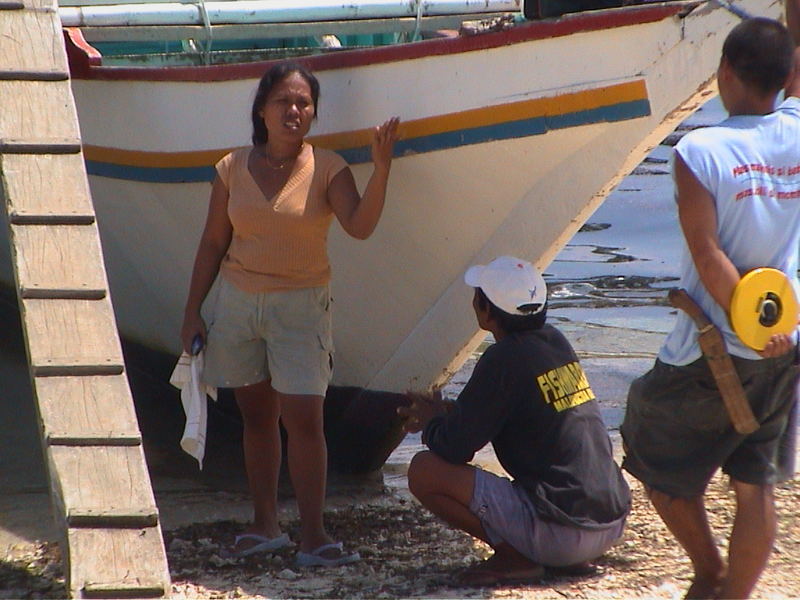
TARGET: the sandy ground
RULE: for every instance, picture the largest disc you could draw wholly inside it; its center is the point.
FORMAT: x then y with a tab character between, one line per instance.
408	553
405	551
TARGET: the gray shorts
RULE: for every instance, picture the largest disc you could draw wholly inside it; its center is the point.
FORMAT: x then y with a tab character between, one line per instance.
677	432
508	515
283	336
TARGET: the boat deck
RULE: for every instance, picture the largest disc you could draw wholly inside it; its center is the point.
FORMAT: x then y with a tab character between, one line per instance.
99	482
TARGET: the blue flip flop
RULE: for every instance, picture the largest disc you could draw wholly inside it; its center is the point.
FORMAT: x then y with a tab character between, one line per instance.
315	558
264	544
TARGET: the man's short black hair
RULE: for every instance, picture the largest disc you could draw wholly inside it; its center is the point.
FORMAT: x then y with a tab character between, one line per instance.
760	52
508	322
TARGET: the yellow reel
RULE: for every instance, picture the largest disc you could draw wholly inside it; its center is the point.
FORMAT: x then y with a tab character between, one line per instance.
763	304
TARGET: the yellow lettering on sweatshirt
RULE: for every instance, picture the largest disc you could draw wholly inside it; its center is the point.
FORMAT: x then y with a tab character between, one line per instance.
565	387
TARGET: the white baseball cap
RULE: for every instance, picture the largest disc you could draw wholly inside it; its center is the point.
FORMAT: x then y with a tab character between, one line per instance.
510	283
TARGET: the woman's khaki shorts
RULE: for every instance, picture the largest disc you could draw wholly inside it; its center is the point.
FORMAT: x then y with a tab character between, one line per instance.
283	336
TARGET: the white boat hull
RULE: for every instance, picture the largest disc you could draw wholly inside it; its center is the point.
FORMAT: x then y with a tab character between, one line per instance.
461	191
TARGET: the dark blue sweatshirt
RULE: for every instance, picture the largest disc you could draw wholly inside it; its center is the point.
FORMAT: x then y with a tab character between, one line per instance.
529	397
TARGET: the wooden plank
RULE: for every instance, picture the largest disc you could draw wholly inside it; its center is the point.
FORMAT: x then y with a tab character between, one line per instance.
112	518
109	438
32	40
59	261
101	478
34	75
34	110
49	188
116	563
39	145
71	337
86	406
141	588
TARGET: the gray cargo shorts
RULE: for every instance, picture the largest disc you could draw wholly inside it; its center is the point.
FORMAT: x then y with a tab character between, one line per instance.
508	515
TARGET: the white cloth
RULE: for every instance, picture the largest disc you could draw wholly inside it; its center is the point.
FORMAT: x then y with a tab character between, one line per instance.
750	164
188	377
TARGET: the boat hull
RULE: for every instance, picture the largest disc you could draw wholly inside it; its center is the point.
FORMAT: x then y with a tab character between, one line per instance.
509	143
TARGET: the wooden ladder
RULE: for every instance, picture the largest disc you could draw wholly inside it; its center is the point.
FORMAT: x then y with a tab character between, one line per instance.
103	500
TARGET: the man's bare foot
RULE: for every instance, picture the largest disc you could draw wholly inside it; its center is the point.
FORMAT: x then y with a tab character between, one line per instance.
494	571
506	566
704	588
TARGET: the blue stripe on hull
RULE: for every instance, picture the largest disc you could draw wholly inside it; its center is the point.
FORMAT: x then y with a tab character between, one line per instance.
506	131
420	145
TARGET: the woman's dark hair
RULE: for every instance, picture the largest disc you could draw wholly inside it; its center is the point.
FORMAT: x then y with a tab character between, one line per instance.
271	78
759	51
508	322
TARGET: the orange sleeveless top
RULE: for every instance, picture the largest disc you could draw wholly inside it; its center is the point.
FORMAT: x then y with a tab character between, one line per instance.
279	243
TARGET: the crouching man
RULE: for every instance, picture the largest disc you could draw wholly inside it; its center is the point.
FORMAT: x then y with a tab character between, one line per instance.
529	397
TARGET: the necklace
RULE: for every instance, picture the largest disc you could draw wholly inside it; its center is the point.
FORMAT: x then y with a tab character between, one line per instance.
281	164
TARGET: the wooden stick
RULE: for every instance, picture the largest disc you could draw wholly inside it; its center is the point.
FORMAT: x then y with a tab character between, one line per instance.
720	363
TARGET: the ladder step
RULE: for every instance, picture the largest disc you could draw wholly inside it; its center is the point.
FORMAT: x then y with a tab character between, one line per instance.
31	42
8	146
62	294
34	75
47	189
94	480
77	370
111	518
71	337
123	589
37	115
43	252
85	406
116	563
50	219
107	438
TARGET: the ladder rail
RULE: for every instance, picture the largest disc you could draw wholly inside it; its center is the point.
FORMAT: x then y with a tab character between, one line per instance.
101	490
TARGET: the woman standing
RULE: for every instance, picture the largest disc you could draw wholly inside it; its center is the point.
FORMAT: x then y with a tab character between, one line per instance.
270	338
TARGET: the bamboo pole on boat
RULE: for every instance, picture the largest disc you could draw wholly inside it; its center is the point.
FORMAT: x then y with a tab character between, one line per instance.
271	11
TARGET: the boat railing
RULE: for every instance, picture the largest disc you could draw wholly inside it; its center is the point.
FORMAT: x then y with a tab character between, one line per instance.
405	26
202	22
101	13
211	31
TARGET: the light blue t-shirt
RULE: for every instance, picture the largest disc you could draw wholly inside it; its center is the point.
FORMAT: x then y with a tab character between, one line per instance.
751	166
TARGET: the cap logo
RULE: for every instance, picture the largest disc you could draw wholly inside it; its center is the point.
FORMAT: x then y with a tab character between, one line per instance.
532	292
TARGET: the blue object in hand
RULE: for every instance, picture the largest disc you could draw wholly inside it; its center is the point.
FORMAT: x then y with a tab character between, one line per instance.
197	345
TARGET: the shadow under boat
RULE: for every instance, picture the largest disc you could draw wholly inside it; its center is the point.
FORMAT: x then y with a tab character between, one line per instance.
362	429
